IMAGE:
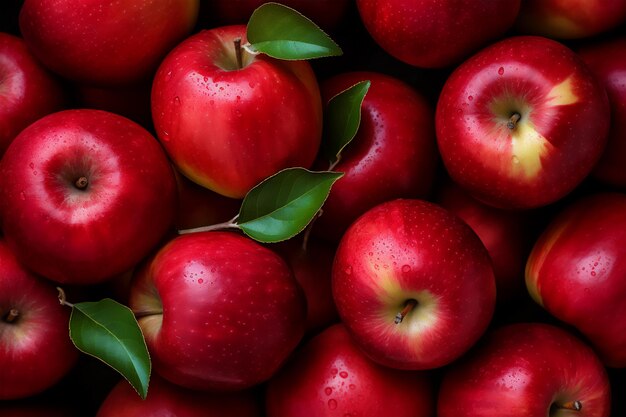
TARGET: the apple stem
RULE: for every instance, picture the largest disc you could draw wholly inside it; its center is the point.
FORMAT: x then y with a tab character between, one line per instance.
231	224
512	123
238	53
62	299
408	306
11	315
81	183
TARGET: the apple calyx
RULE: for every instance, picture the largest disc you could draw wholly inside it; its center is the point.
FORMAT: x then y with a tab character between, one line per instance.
569	406
513	120
81	183
408	306
11	316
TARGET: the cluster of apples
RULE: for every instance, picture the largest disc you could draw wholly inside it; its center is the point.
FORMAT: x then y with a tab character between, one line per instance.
468	259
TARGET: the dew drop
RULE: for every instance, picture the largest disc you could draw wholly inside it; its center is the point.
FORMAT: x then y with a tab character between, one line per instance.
168	76
177	101
593	273
348	270
343	374
470	98
328	390
31	165
501	71
406	268
332	404
352	386
200	280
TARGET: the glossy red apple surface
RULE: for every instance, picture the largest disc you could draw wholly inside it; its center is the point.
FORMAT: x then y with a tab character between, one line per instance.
167	399
27	90
526	369
607	60
576	271
35	348
567	19
330	376
228	128
413	284
85	195
103	42
522	123
393	155
505	234
218	311
433	33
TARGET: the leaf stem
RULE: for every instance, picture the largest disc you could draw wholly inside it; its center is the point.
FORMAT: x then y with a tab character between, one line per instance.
230	224
62	298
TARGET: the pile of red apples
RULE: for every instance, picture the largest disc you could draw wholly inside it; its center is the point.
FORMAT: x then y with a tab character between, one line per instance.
470	261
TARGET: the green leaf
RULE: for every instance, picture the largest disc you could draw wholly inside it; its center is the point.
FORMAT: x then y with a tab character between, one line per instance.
284	33
342	118
109	331
281	206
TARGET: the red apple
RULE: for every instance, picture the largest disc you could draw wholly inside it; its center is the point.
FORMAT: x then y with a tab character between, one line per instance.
393	154
311	264
166	399
526	369
104	42
35	347
576	271
522	123
27	90
607	59
436	33
567	19
326	13
413	284
219	311
505	234
228	128
85	195
330	376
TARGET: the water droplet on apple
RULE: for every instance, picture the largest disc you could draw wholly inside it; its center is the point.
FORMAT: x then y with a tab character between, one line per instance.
343	374
200	281
168	76
328	390
332	404
593	273
352	386
177	101
501	71
406	268
334	371
348	270
470	98
31	165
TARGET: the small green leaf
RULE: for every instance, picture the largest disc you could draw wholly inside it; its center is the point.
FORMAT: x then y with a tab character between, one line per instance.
342	118
284	33
281	206
109	331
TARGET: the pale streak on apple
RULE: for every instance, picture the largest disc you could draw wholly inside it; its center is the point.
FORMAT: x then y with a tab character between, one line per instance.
528	144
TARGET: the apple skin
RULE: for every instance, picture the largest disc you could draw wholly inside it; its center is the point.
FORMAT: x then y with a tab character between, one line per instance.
85	236
35	348
218	310
167	399
561	133
330	376
607	60
433	33
27	90
312	264
326	13
567	19
228	129
505	233
405	250
393	154
576	271
105	43
524	369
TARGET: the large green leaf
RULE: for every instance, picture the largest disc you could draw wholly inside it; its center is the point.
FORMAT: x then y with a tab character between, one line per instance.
282	32
342	118
281	206
109	331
